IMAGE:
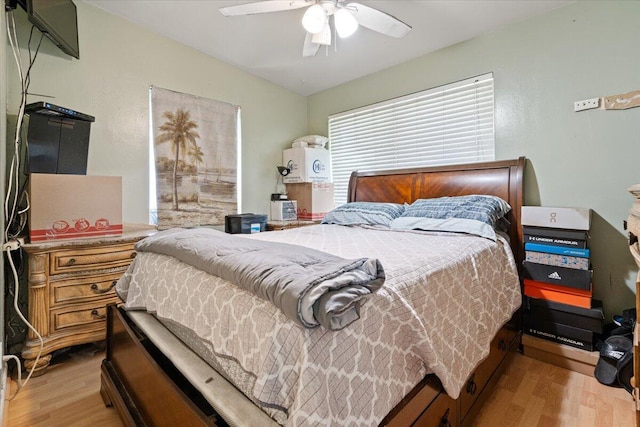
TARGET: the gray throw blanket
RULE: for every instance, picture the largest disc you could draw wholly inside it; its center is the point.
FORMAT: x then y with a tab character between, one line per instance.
311	287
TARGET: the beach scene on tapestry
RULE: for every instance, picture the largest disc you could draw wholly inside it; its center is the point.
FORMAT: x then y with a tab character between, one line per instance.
195	145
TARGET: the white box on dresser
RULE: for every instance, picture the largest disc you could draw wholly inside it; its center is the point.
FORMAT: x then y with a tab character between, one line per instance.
307	165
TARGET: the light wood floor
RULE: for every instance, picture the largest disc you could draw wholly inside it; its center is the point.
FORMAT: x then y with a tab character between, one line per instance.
535	393
67	395
530	393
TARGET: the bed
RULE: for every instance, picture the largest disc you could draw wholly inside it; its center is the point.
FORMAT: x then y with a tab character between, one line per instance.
152	378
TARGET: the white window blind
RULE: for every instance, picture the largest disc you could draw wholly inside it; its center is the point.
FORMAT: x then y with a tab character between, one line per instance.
445	125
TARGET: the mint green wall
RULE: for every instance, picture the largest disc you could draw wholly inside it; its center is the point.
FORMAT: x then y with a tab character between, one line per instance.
118	62
541	66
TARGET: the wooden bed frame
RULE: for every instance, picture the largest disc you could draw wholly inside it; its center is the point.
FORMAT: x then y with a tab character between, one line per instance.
135	374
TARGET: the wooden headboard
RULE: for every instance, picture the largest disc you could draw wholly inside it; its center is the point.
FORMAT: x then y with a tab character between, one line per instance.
502	178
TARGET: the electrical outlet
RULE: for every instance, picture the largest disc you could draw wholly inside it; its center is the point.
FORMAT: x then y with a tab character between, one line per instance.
12	245
586	104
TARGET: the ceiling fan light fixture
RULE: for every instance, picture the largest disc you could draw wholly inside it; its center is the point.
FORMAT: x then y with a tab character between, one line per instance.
345	23
323	37
314	19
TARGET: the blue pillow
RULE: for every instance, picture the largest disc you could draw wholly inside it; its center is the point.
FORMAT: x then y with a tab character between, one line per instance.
364	213
487	209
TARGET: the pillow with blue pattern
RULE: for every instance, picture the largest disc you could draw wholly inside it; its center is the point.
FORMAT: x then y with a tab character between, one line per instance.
487	209
364	213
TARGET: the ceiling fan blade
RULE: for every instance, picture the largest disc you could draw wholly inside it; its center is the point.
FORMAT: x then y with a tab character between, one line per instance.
309	48
377	20
264	7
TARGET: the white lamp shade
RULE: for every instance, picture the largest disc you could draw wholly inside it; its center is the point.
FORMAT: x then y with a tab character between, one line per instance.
345	22
314	19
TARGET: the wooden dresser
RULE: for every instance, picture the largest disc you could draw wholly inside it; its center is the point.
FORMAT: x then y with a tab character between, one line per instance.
284	225
70	284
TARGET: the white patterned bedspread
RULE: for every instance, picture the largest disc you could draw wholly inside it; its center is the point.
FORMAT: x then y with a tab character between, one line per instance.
444	299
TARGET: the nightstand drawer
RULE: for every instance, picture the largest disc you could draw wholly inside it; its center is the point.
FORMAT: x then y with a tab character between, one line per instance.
84	289
95	258
81	316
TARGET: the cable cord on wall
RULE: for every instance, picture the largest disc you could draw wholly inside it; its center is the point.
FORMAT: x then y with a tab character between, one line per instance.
15	217
29	325
13	181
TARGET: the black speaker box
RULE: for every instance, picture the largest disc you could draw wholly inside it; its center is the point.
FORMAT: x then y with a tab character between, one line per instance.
57	144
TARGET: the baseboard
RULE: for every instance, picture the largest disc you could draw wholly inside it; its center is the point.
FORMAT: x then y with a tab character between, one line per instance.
561	355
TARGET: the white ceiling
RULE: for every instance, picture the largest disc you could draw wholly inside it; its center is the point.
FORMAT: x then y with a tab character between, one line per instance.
270	45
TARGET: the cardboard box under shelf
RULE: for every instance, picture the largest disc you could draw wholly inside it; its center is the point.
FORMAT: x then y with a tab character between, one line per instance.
314	199
561	355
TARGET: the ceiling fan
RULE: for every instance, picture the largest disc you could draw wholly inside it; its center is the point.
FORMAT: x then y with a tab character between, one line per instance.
316	20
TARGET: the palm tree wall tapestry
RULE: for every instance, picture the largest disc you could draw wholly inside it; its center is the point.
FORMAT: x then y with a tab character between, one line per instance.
195	143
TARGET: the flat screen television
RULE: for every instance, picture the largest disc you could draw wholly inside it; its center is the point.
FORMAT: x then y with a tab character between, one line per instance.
57	19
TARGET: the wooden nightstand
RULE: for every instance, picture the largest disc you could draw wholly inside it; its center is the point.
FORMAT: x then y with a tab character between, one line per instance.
633	240
70	284
283	225
632	225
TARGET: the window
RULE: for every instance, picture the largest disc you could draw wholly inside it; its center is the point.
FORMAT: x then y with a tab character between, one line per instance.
444	125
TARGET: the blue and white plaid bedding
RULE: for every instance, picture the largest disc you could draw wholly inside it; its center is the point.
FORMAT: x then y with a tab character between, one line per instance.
488	209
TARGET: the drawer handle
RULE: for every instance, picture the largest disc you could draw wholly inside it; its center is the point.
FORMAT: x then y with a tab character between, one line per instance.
133	255
96	290
472	387
444	421
95	314
71	261
502	345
